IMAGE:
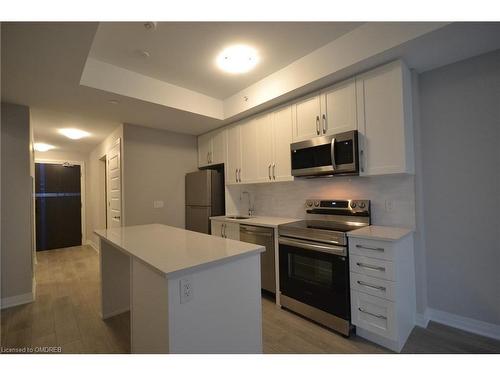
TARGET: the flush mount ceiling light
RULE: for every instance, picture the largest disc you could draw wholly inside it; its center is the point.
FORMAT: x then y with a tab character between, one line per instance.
42	147
237	59
74	133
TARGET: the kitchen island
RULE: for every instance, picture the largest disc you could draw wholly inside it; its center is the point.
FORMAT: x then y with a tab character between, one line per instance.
187	292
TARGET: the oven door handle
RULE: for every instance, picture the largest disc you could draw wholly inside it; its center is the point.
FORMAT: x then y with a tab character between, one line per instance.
329	249
332	152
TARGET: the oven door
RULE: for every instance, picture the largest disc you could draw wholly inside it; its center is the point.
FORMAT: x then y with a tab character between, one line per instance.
337	154
315	274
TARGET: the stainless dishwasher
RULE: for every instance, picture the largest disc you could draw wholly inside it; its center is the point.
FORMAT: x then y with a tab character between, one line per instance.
265	237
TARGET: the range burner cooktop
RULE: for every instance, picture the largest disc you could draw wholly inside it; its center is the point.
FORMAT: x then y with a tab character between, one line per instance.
337	218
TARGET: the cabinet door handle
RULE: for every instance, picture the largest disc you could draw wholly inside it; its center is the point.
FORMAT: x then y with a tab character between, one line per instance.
274	171
236	174
239	175
317	125
362	160
269	171
224	226
210	157
221	226
324	123
381	249
369	266
372	314
371	285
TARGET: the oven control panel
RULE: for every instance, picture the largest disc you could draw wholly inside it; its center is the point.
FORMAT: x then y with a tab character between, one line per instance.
336	206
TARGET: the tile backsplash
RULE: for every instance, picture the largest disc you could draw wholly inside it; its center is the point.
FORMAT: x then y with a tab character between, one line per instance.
392	197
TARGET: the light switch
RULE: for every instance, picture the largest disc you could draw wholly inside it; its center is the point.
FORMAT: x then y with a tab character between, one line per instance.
157	204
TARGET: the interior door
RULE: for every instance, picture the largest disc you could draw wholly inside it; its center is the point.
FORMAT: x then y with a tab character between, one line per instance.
57	206
113	184
282	136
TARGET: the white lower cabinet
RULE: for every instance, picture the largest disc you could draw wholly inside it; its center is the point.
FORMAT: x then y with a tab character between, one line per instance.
225	229
382	279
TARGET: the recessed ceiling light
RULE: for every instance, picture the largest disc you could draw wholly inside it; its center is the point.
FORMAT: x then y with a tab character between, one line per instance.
238	58
74	133
42	147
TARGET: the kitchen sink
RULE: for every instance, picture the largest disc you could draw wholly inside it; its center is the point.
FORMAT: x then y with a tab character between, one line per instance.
238	217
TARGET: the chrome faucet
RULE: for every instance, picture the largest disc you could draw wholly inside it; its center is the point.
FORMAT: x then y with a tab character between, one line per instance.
251	209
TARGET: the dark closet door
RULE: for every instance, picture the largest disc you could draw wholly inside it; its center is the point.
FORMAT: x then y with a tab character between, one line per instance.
58	206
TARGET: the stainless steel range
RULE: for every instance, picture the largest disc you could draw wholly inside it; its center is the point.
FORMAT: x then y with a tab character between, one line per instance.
314	264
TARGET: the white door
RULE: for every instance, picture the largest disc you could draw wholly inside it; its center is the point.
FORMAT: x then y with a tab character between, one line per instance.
339	112
233	154
282	137
249	147
265	158
307	118
204	149
113	184
218	146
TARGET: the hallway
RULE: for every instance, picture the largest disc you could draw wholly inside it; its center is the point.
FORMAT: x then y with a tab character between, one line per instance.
66	314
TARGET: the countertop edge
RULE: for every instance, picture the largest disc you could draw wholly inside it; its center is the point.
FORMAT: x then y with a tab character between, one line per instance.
197	267
256	223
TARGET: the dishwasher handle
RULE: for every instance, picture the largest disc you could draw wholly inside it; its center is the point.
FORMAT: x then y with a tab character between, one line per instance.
258	231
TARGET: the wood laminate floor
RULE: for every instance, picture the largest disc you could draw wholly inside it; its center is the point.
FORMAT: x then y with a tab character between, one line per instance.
66	314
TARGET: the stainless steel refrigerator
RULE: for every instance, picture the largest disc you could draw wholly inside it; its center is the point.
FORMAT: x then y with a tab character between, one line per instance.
204	198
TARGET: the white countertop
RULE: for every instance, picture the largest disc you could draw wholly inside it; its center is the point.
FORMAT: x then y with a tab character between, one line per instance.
376	232
263	221
172	250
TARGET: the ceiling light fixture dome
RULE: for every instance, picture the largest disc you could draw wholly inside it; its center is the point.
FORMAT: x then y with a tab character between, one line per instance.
42	147
238	58
74	133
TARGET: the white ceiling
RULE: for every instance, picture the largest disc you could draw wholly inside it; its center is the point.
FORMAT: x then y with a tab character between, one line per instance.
183	53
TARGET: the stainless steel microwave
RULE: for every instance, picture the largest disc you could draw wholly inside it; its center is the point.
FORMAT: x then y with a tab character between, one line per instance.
322	156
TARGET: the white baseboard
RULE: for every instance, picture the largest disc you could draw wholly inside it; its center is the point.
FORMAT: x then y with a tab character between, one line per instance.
461	322
92	245
116	312
422	319
20	299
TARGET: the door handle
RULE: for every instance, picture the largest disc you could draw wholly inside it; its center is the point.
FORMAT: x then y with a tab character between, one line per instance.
381	249
269	171
274	171
239	175
382	288
236	174
332	152
116	217
208	157
324	123
317	125
224	227
221	226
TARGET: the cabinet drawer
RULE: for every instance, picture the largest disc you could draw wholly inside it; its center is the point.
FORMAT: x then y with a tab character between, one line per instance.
380	268
371	248
374	314
373	286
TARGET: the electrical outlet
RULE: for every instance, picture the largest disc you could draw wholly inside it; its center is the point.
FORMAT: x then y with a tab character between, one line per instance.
157	204
186	289
389	205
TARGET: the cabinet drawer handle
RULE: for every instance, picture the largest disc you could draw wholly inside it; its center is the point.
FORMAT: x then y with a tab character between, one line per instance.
377	268
371	285
324	123
317	125
269	171
372	314
381	249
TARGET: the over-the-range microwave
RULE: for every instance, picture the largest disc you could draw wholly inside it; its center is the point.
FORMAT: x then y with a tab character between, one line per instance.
323	156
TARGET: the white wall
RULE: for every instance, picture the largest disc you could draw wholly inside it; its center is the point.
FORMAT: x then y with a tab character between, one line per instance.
16	215
460	120
156	164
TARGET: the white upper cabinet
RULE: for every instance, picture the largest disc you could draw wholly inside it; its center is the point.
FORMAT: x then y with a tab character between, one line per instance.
249	147
282	137
306	118
233	161
331	111
212	148
265	149
385	120
339	108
